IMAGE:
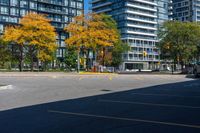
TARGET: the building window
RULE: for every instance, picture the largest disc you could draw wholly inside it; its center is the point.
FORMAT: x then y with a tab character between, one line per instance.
73	4
23	4
14	2
1	28
14	11
66	19
79	5
73	11
13	19
4	10
65	10
79	12
4	2
62	44
4	18
23	12
65	2
33	5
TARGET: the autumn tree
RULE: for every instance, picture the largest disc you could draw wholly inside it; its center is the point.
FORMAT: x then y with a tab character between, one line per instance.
34	34
91	32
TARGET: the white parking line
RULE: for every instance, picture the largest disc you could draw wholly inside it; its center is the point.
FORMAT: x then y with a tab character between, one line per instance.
151	94
149	104
125	119
192	85
180	90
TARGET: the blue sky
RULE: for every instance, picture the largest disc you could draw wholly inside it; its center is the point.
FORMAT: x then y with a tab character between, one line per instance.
86	2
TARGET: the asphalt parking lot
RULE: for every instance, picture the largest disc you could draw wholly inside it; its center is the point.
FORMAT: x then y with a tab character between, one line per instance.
100	104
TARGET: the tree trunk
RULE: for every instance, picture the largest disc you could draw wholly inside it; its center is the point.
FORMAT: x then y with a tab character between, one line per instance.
87	60
45	66
95	60
31	57
182	64
21	58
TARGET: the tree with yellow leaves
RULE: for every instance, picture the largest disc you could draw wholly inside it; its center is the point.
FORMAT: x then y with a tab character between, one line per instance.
91	31
36	35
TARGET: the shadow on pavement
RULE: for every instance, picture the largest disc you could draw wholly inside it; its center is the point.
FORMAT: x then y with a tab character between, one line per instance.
168	108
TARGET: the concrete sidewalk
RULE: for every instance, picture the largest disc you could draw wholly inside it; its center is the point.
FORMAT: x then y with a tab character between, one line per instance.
51	74
34	74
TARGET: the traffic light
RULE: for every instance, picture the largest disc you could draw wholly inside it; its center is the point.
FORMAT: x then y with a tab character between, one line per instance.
178	59
144	53
102	53
167	46
82	60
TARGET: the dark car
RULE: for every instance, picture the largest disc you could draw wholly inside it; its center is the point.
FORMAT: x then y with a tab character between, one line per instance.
197	69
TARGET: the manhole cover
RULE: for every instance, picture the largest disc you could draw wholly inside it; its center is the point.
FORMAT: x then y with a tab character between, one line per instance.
105	90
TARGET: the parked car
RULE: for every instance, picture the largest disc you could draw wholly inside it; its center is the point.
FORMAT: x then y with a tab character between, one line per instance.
196	70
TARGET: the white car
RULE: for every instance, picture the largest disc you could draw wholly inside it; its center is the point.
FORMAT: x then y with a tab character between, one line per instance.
197	69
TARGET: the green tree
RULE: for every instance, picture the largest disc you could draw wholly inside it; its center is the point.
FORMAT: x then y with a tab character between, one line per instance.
179	40
5	53
71	58
117	52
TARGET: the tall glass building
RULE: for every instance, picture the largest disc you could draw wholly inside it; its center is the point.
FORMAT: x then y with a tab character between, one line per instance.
61	12
138	22
186	10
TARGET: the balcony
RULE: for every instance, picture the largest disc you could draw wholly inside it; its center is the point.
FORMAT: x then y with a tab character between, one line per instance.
94	1
50	10
147	2
51	2
103	11
140	20
140	26
140	13
102	5
140	33
141	7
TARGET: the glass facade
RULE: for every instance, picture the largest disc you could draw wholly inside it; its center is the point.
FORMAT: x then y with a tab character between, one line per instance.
182	10
138	22
186	10
60	12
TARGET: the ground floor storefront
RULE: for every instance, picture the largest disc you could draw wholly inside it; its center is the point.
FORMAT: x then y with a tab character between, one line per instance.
134	66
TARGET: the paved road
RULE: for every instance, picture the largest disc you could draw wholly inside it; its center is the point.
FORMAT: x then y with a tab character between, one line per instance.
100	104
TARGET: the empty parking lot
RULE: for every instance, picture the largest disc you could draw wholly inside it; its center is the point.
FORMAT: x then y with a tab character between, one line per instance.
99	103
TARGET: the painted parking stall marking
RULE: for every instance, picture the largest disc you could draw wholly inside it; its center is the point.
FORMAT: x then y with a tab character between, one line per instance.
148	104
151	94
123	119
